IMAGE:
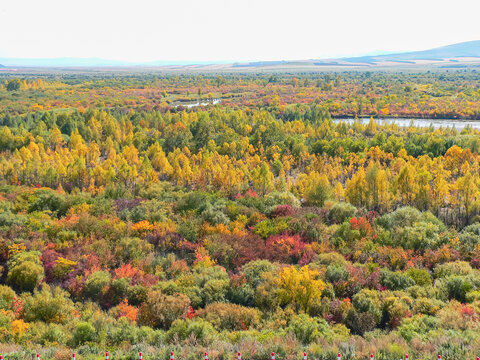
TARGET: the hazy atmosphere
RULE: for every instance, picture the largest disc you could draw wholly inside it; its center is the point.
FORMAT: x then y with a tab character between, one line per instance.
227	30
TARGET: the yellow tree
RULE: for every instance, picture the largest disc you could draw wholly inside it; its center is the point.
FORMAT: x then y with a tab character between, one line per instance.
314	188
378	188
77	144
467	191
406	185
372	185
263	178
339	192
383	188
422	196
454	158
131	154
159	160
56	138
441	187
302	288
371	127
356	189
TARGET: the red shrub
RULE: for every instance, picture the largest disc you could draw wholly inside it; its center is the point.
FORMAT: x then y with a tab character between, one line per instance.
49	258
284	248
283	210
241	249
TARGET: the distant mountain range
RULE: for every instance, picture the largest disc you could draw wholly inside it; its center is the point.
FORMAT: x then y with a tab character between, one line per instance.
446	56
469	49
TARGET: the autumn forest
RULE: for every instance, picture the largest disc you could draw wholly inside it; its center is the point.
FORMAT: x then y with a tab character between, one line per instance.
222	212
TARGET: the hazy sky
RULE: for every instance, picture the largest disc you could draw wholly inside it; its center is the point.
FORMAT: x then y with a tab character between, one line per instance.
207	30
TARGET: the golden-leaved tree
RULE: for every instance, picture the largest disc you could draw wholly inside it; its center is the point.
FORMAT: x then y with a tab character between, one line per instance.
301	288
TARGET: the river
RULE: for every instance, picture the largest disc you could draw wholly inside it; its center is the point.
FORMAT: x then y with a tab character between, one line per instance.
198	103
405	122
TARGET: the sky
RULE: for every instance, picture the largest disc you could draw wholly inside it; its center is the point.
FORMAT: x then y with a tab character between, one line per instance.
227	30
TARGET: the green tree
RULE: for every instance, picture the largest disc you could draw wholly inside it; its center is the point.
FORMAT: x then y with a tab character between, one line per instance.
25	271
6	297
84	332
97	285
13	85
48	306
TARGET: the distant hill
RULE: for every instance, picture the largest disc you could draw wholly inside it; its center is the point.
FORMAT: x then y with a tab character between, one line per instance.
455	55
451	55
469	49
2	66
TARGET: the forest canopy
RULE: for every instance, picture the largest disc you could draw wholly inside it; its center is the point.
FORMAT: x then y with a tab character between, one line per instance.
138	214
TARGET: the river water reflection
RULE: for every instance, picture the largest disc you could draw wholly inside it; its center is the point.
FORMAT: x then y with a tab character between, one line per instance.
405	122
